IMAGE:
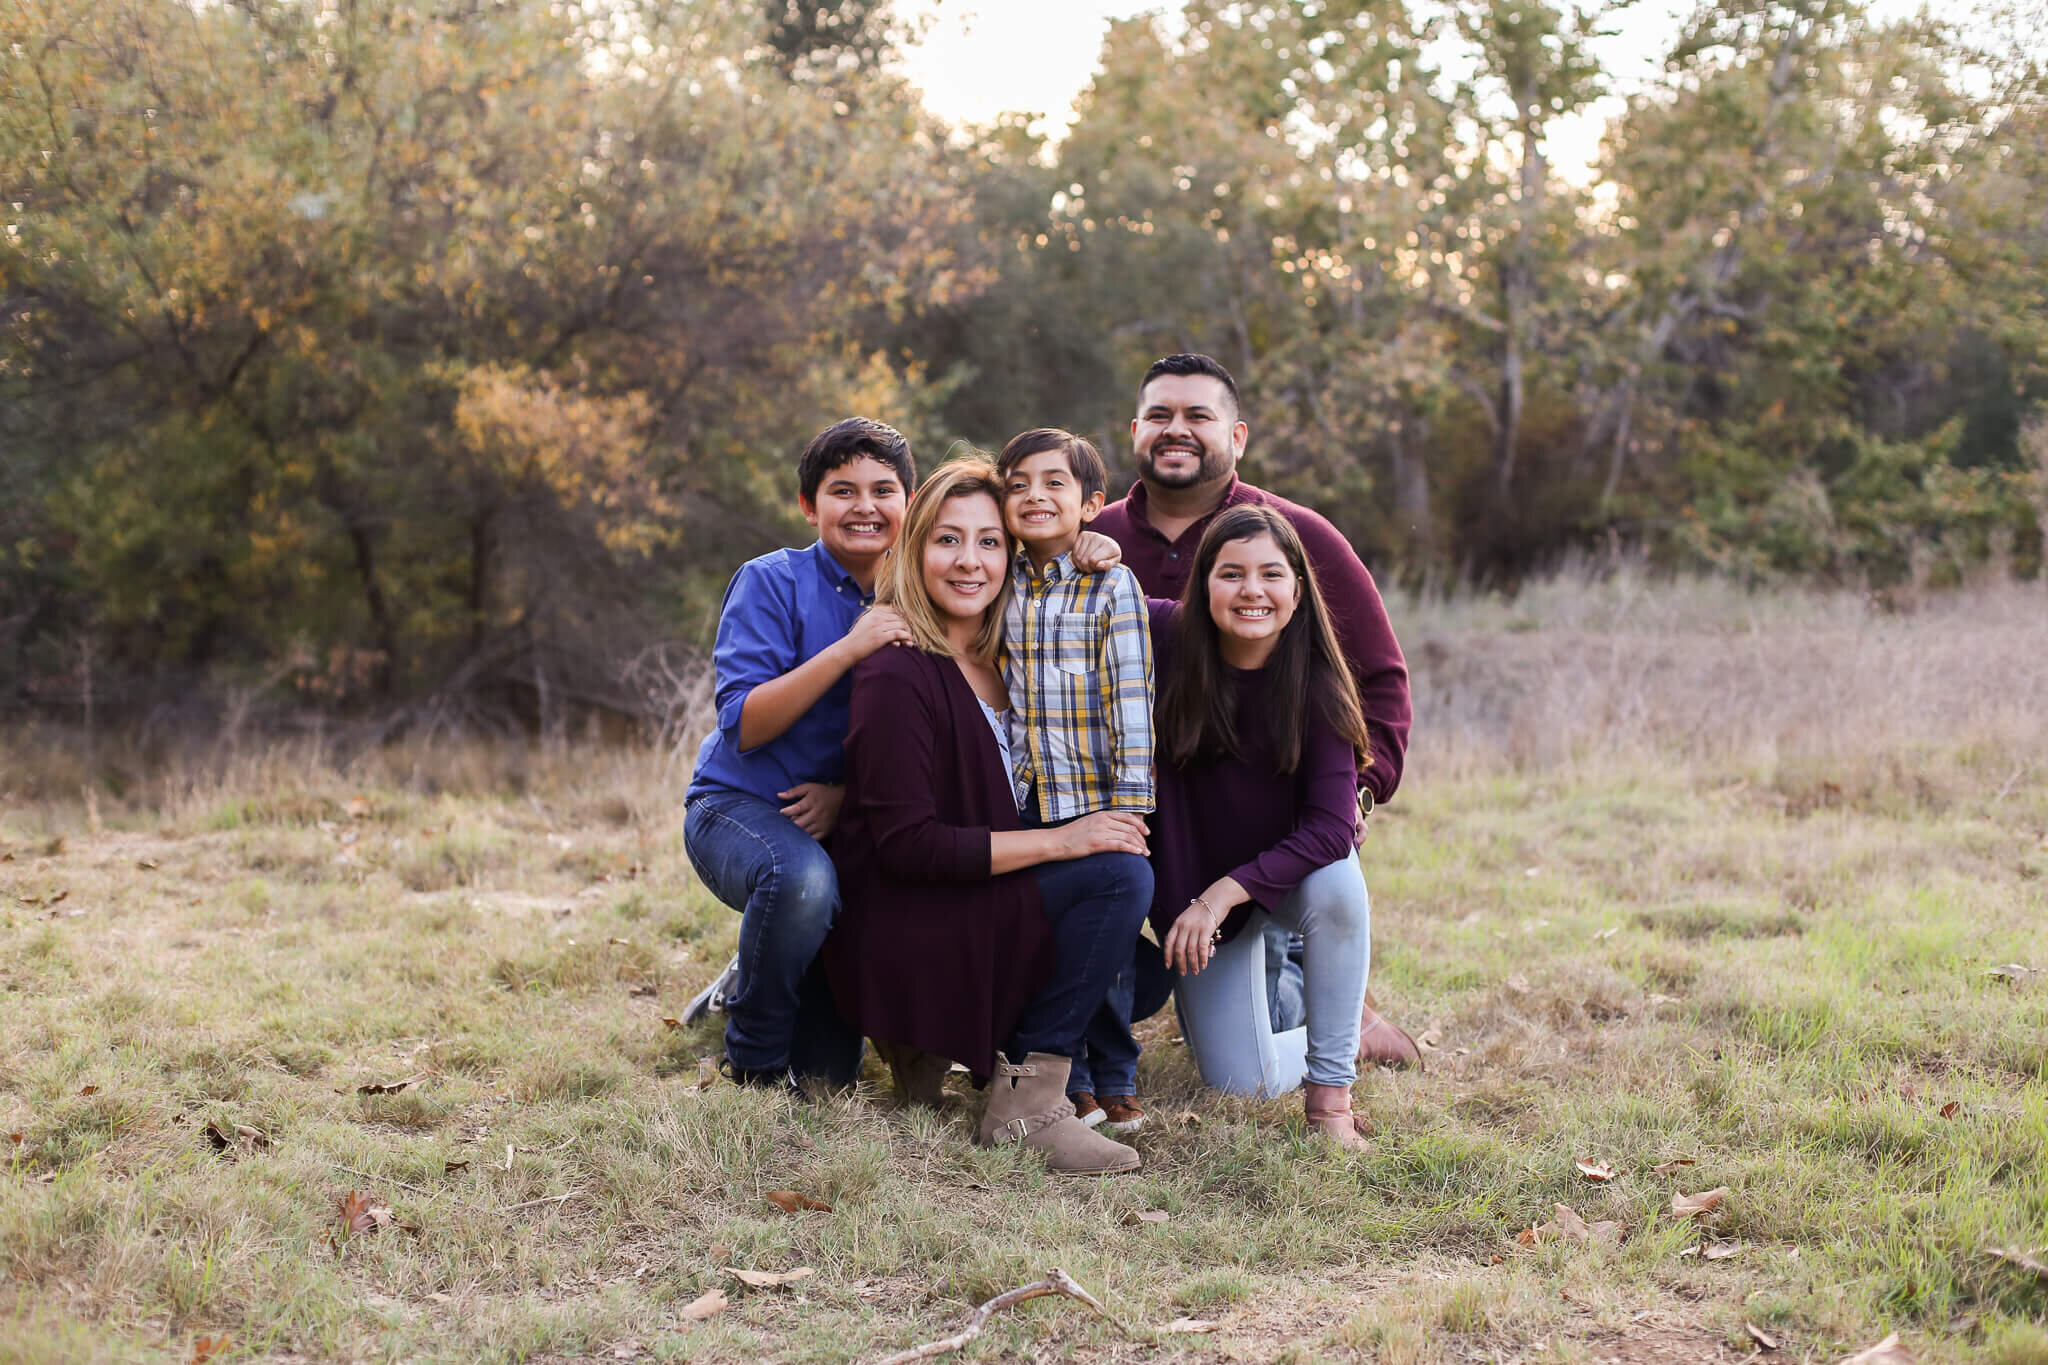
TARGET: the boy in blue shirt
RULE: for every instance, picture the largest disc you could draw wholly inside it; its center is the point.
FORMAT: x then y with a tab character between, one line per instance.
769	779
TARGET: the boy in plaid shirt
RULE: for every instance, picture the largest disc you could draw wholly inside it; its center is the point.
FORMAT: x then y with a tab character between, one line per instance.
1077	657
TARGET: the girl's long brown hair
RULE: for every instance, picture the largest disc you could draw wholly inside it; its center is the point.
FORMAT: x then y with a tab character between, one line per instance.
901	583
1307	673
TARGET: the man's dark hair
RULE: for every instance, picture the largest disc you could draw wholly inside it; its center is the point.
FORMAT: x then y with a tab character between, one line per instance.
1192	364
1083	459
843	442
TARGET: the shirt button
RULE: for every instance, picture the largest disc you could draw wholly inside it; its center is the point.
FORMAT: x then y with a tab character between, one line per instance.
1173	554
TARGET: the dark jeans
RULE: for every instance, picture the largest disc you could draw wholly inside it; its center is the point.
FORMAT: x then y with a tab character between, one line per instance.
780	879
1095	906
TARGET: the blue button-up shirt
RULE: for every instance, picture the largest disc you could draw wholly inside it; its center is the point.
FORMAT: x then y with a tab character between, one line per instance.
780	610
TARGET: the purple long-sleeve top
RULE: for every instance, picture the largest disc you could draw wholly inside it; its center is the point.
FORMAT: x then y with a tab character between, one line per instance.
1238	817
930	950
1356	608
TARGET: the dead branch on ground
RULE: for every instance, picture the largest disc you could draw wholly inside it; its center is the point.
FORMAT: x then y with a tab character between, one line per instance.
1056	1281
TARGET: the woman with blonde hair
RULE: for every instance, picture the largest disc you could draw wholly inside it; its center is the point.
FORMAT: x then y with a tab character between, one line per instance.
963	934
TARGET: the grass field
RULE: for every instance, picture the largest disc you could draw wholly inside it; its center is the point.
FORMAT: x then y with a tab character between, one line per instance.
1672	878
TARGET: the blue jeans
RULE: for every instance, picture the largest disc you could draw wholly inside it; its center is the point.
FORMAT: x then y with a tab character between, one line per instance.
1333	914
1095	906
780	879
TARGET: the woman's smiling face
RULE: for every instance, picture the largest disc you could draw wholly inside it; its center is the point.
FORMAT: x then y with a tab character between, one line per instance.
1253	592
965	558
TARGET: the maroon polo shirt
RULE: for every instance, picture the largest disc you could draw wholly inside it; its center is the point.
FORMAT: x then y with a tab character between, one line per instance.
1364	631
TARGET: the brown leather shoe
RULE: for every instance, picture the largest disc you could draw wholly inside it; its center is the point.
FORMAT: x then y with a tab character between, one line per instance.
1327	1111
1122	1115
1086	1108
1384	1043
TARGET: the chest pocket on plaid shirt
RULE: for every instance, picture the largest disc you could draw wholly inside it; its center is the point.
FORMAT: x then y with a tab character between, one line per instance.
1076	640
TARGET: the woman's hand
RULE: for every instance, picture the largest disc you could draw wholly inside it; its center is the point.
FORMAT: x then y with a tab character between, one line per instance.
1191	941
814	807
1106	831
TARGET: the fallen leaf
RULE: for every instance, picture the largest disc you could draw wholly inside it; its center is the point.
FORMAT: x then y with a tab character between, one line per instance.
454	1164
1189	1325
1606	933
645	988
145	864
720	1253
1146	1216
1693	1205
1760	1336
359	808
438	1297
2010	971
1692	1250
391	1087
1595	1170
1431	1037
16	1138
1517	983
236	1138
1951	1109
358	1214
88	1090
789	1201
670	1021
620	942
1188	1118
2015	1257
703	1306
206	1348
1886	1352
768	1279
65	895
1721	1251
1673	1165
1567	1226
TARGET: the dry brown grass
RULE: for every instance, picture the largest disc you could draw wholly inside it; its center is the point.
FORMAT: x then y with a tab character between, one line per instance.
1677	871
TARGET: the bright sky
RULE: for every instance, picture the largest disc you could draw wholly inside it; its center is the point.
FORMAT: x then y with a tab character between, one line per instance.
980	58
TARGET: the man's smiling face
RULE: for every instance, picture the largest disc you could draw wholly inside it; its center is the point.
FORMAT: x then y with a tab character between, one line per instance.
1186	432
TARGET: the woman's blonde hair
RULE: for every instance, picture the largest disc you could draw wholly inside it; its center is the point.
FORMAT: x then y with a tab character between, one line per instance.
902	579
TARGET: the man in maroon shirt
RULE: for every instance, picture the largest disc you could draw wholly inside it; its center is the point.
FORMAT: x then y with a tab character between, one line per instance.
1187	438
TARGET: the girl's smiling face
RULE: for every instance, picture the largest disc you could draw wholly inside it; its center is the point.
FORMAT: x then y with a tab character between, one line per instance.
965	559
1253	592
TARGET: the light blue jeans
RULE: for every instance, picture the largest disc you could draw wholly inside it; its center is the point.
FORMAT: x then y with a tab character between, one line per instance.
1227	1018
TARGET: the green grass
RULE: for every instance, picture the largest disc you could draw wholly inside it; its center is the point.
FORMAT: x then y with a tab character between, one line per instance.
1632	965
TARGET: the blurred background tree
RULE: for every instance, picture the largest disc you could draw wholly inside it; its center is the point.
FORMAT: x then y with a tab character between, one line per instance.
406	350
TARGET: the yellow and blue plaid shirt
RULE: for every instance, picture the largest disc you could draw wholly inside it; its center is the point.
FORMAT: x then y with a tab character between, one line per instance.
1077	656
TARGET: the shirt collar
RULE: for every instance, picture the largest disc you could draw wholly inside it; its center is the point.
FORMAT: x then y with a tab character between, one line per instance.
1139	500
1058	571
829	565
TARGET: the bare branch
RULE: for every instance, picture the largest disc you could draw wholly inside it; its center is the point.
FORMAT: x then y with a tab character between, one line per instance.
1056	1281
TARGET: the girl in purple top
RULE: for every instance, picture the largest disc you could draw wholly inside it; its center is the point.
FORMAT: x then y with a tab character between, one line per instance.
1260	740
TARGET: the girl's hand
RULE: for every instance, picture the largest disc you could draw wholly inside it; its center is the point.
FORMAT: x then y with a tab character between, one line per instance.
1189	943
1106	831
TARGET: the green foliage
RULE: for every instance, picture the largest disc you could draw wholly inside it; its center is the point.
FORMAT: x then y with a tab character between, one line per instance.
426	349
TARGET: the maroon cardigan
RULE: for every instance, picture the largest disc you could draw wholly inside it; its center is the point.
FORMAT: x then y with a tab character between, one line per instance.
930	950
1356	609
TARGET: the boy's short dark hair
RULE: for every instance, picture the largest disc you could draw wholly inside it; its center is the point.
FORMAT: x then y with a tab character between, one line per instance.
843	442
1192	364
1083	459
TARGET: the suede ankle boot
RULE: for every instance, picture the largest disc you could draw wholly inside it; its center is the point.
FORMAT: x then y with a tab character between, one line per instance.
1027	1103
920	1077
1327	1109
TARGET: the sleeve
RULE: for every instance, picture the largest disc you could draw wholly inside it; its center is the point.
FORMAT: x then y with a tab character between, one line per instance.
892	762
1367	635
756	639
1126	673
1322	830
